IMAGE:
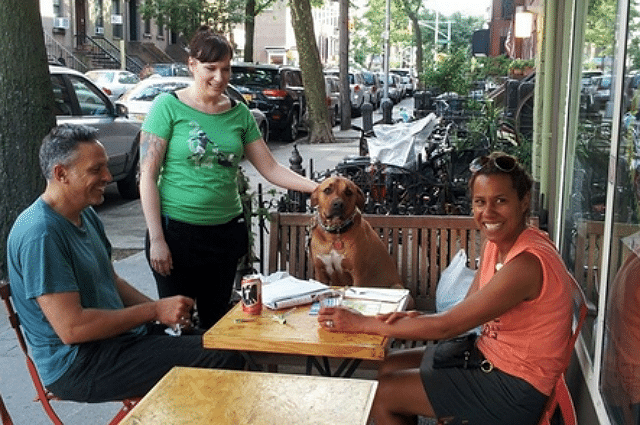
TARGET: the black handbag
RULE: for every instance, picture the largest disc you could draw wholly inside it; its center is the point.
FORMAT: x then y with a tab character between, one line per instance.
460	352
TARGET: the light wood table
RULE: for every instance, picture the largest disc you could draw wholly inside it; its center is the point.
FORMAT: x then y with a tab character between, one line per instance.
301	335
219	397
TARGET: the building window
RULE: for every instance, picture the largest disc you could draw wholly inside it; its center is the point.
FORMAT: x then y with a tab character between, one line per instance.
57	8
160	28
117	20
147	27
507	10
99	21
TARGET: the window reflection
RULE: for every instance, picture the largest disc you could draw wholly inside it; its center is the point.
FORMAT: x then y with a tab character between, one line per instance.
583	234
620	377
621	358
621	352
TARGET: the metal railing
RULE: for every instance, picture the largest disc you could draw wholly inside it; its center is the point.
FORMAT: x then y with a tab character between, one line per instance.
56	52
109	49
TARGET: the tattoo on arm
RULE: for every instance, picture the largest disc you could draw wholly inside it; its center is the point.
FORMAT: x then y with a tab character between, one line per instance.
152	150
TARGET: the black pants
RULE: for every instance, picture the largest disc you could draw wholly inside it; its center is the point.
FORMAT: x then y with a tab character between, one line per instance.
205	260
130	365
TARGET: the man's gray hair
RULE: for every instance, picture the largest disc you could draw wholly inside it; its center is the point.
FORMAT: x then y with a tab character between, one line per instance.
60	145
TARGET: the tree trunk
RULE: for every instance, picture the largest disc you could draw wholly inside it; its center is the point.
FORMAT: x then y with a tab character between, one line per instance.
26	108
311	66
249	28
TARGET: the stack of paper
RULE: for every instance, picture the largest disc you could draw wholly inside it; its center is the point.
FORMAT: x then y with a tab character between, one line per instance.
288	291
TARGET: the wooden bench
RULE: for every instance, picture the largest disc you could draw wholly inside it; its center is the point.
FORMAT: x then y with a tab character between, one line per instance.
423	247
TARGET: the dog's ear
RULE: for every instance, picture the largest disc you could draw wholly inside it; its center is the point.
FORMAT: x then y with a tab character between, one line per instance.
359	197
314	197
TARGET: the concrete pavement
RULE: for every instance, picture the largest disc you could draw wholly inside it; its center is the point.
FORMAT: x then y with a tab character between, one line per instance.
125	228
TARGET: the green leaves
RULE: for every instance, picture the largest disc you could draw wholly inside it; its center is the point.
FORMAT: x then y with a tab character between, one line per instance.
185	16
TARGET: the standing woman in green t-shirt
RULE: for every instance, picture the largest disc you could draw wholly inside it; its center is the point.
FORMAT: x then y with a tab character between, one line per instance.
192	142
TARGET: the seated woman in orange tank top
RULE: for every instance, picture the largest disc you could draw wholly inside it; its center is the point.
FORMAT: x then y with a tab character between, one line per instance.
521	296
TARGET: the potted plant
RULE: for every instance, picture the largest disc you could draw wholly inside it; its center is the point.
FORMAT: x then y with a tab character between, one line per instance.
521	67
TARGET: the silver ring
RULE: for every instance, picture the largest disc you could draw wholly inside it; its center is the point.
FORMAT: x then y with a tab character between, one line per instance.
329	323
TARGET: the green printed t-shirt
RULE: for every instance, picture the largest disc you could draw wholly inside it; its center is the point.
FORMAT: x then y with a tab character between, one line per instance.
197	182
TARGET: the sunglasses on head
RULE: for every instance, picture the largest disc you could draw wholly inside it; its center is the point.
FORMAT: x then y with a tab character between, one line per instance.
504	163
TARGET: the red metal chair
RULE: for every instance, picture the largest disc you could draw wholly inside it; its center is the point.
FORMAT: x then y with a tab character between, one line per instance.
44	396
4	414
560	396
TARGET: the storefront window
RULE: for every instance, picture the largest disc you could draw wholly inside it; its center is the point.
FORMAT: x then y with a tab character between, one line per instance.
620	376
585	208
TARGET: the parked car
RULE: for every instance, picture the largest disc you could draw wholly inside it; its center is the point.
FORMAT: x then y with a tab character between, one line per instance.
358	93
79	101
632	91
175	69
586	88
372	83
138	100
114	82
332	90
599	91
395	89
275	90
408	82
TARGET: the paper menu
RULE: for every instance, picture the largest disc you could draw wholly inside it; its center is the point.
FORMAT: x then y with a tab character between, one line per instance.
389	295
365	307
289	291
370	308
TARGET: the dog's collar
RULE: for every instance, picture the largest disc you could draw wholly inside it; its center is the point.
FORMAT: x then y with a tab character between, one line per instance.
346	225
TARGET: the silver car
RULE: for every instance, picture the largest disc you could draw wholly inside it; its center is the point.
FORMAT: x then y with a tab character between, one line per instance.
138	100
114	82
79	101
358	89
332	89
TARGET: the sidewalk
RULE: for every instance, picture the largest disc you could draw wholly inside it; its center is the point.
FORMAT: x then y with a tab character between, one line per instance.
125	228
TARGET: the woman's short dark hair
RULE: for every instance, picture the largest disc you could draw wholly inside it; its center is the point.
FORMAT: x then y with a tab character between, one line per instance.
208	46
61	144
502	163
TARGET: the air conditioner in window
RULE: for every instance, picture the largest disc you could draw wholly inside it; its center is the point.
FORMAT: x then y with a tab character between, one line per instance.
99	30
61	23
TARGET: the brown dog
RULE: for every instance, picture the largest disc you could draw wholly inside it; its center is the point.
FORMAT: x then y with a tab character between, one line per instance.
344	248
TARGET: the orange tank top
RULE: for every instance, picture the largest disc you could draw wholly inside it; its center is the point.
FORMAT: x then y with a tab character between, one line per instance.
529	341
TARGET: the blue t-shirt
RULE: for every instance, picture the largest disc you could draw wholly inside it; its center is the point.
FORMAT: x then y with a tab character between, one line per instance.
46	253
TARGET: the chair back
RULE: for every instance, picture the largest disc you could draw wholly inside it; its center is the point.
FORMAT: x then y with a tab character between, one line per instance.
44	396
560	396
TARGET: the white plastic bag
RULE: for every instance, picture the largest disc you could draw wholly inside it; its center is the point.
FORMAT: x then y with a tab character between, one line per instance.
454	282
399	144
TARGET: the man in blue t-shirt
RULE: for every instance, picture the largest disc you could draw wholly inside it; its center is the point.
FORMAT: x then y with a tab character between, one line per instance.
93	336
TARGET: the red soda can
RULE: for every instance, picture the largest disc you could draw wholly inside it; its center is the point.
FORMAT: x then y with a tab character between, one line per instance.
251	287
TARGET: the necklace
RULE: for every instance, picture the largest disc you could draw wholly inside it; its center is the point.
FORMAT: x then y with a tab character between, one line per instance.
498	266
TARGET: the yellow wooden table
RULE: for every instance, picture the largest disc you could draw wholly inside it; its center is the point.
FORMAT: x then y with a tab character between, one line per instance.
219	397
301	335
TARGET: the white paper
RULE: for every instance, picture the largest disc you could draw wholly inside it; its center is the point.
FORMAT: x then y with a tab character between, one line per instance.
289	287
389	295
